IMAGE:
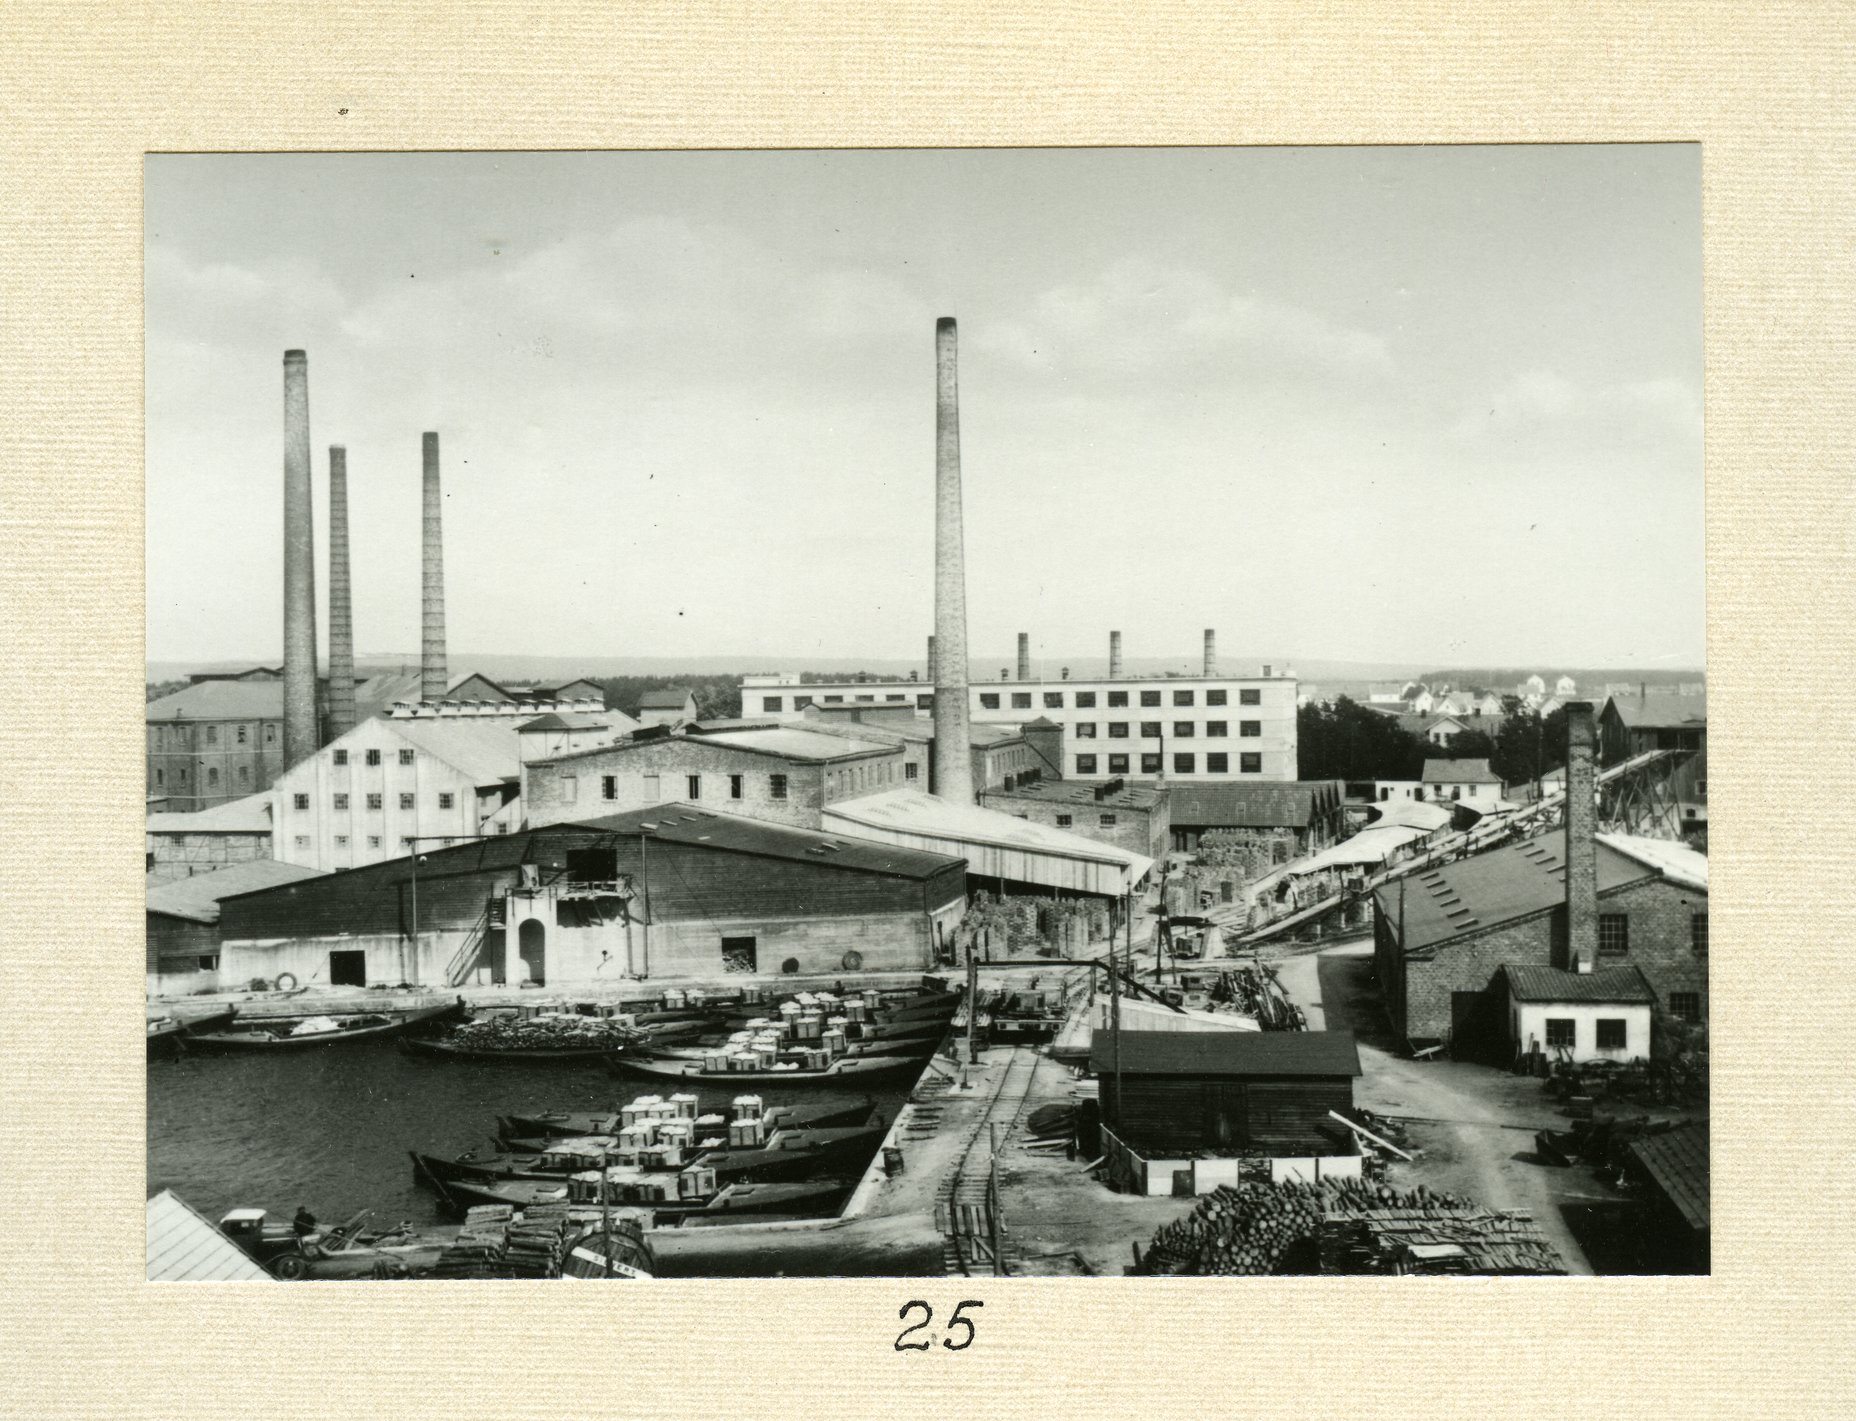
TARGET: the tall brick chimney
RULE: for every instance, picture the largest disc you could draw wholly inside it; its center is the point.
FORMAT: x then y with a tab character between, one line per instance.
931	657
1581	846
1114	656
300	669
432	672
1024	656
1211	652
953	755
341	603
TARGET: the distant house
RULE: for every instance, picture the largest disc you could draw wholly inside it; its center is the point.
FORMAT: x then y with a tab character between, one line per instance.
1385	695
1467	781
667	706
207	840
1532	686
1440	730
1662	720
1565	688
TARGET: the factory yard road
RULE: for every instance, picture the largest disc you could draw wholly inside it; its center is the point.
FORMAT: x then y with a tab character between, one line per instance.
1474	1125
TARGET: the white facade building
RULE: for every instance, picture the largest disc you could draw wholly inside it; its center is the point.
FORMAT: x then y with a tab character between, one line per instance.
390	786
1195	729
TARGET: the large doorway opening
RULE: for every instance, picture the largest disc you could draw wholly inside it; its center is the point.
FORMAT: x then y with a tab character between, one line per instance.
348	968
740	954
531	946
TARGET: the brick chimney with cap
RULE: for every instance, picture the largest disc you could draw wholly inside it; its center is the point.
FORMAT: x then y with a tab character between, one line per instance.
433	674
953	751
1581	843
301	739
1114	656
1211	652
1024	656
341	601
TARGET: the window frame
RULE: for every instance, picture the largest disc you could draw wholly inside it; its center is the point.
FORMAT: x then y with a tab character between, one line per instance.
1250	762
1086	764
1122	768
1185	762
377	803
1617	1026
1217	762
1084	730
1185	730
1558	1026
1249	696
1614	934
989	700
1150	698
777	787
1117	698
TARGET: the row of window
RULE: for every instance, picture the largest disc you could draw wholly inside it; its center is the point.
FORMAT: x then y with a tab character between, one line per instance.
1216	763
1156	730
376	801
692	787
1106	821
172	736
1614	934
407	842
1086	700
212	776
773	704
373	757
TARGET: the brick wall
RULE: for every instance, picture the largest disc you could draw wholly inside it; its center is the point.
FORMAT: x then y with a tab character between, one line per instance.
563	791
1138	831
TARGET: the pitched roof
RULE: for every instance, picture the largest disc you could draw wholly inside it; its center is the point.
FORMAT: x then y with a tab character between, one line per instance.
1489	889
197	898
250	815
487	751
1677	1162
1534	983
911	811
785	742
1226	1053
1676	862
1662	710
183	1247
687	824
1459	772
379	693
579	720
672	698
1131	795
220	700
1295	804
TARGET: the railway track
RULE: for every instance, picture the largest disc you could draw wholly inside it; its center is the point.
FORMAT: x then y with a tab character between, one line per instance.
966	1200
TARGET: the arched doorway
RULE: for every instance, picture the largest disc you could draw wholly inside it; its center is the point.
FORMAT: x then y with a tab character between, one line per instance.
531	945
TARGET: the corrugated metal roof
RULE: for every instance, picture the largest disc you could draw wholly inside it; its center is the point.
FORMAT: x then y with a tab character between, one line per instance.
1459	772
1534	983
793	742
1677	1161
1662	710
1292	805
197	898
1409	814
250	815
183	1247
1677	862
220	700
1226	1053
1500	886
706	828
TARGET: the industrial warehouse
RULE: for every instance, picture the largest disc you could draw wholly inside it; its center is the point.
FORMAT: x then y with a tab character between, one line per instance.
1035	965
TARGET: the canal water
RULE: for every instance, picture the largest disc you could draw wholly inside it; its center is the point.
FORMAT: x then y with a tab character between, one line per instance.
332	1128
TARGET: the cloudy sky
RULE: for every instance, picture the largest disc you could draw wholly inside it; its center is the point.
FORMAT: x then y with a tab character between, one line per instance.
1438	405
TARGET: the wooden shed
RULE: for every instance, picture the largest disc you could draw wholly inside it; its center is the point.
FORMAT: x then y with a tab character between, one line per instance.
1176	1092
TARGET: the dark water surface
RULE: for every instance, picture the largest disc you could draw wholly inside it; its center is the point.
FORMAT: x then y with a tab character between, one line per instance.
331	1128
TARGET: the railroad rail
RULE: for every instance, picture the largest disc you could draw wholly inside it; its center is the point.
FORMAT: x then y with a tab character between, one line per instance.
968	1203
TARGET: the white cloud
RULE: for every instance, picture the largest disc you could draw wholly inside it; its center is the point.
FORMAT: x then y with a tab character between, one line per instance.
1544	409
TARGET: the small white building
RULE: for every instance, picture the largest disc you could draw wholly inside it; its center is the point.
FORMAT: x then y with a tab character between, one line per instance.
560	732
667	707
1469	782
1579	1016
1565	688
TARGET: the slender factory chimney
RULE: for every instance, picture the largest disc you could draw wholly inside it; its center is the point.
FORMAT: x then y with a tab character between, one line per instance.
953	762
1581	848
1211	652
1114	656
1024	656
300	739
931	672
432	673
341	603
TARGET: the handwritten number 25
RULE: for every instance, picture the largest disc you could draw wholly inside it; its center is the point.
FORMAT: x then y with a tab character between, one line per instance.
927	1317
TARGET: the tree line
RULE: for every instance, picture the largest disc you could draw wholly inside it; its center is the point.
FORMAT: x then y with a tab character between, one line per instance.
1346	741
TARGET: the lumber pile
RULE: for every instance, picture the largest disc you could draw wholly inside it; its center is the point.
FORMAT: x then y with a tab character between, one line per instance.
536	1243
496	1242
1348	1226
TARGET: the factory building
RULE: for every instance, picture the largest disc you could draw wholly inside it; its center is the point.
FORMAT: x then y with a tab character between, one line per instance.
1301	817
182	937
999	754
781	773
1129	816
1205	729
390	785
678	890
182	845
215	741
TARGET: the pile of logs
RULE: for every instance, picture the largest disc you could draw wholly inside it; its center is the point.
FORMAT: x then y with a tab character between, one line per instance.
1251	1229
536	1243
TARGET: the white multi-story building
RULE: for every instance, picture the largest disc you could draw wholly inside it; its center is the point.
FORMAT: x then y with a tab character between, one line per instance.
1196	729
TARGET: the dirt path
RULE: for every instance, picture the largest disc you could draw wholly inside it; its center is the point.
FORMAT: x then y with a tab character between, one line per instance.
1473	1124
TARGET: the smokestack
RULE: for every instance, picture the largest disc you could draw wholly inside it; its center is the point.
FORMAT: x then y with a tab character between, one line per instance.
432	674
953	763
1581	848
1024	656
300	739
341	606
1114	656
1211	652
931	656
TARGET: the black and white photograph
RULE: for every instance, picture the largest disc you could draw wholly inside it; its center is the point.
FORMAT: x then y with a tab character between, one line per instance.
1039	712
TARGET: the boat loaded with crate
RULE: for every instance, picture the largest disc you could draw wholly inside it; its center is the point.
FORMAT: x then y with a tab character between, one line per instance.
708	1111
554	1036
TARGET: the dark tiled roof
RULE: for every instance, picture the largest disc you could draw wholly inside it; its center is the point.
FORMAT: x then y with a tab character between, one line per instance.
220	700
1460	772
197	898
1662	710
1677	1163
1295	804
1500	886
1532	983
1227	1053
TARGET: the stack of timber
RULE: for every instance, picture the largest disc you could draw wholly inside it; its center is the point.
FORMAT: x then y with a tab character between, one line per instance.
1345	1226
536	1243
